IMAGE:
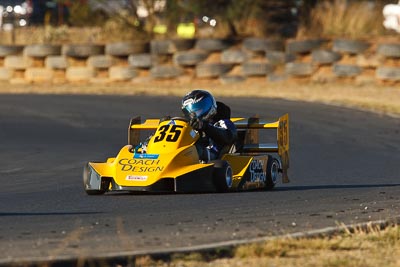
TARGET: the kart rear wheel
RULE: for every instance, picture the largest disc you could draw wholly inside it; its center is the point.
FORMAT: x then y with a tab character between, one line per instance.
273	167
222	176
86	176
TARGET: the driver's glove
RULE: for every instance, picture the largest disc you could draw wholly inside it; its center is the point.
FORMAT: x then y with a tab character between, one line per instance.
197	124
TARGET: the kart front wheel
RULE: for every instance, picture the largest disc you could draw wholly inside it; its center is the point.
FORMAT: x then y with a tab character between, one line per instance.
273	167
222	175
86	182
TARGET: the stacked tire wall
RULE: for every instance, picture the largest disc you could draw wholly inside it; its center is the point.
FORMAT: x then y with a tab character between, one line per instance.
229	61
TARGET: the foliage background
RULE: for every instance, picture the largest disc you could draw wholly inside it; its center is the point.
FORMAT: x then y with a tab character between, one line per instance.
84	23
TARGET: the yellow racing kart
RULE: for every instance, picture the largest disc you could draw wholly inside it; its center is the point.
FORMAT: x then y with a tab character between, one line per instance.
169	162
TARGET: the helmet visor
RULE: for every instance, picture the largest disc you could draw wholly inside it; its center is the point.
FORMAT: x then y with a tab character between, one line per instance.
197	108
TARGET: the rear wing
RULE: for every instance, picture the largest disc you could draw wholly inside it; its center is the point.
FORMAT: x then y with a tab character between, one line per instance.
249	127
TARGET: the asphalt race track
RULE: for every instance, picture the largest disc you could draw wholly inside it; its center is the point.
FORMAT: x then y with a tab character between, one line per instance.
344	169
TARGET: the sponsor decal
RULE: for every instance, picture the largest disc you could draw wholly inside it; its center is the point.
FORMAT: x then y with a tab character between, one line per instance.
283	134
140	165
191	101
187	102
192	133
258	170
145	156
136	178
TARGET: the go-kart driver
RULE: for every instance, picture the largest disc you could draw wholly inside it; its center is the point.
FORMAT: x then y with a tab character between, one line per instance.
212	120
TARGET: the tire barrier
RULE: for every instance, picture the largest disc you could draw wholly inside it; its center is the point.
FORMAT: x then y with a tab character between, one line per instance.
162	47
233	56
183	44
122	73
18	62
325	57
9	50
277	77
388	74
82	51
141	61
189	58
100	61
124	49
56	62
79	74
38	75
225	60
299	69
6	74
263	45
279	57
257	68
165	72
350	46
343	70
302	47
212	45
212	70
389	50
227	79
42	50
369	61
168	47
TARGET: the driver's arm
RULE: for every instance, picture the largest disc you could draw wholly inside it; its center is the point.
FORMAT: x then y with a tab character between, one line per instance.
224	132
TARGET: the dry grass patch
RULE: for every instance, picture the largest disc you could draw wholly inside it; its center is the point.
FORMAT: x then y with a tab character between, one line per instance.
364	248
377	98
345	19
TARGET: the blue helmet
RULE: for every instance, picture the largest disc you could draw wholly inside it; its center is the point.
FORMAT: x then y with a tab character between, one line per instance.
199	104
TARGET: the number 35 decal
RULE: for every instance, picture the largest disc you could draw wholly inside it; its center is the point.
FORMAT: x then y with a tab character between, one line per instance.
170	133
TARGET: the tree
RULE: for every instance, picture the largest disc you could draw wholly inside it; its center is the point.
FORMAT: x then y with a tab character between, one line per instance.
241	17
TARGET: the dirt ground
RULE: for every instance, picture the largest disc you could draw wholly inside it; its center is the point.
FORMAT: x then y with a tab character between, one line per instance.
380	98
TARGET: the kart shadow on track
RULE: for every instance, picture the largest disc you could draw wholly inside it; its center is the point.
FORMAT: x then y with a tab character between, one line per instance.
343	186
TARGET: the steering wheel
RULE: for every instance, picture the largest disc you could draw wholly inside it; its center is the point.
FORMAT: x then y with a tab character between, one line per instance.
180	119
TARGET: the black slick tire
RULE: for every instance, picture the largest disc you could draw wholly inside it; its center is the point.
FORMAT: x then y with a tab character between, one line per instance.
222	176
272	173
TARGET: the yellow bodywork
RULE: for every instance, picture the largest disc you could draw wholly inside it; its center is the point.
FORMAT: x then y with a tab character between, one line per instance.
281	147
171	153
162	159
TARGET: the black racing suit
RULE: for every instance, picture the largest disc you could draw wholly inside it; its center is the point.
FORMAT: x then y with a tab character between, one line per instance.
214	137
